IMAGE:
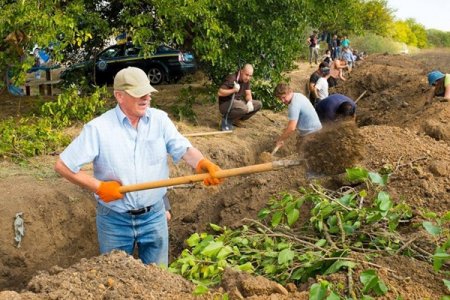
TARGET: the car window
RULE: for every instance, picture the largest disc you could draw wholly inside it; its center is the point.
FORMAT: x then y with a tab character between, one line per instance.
132	51
111	53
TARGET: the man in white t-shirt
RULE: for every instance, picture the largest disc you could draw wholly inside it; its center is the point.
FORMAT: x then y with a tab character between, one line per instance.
301	113
321	88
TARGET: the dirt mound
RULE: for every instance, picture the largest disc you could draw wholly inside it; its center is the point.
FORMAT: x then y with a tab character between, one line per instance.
333	149
397	132
420	165
120	276
111	276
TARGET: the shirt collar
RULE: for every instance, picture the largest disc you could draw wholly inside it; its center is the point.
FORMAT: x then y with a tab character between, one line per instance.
122	117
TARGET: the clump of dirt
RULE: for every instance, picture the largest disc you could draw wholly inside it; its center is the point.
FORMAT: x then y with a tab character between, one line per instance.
241	285
333	149
266	157
436	130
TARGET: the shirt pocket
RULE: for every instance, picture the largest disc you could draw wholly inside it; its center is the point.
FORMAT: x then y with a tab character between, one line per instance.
154	151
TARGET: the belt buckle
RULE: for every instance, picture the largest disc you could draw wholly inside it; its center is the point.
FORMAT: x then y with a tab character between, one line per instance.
140	211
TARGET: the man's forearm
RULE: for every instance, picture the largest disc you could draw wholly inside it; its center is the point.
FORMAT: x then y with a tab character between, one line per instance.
225	92
286	133
192	157
81	178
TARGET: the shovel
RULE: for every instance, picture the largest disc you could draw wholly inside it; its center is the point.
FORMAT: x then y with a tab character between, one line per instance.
271	166
275	150
268	157
227	125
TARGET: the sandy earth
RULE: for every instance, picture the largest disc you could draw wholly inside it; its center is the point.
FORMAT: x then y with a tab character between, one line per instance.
58	258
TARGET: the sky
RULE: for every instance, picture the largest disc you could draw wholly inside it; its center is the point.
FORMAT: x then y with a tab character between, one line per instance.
433	14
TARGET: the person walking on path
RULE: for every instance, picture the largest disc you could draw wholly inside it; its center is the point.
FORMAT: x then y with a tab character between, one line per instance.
130	144
301	113
313	44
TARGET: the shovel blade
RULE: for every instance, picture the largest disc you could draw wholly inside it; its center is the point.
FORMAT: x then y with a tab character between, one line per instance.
226	125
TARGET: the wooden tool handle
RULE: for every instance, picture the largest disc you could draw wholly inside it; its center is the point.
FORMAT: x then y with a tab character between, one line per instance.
208	133
275	150
219	174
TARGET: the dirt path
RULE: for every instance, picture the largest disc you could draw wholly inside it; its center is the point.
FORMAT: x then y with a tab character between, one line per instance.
395	129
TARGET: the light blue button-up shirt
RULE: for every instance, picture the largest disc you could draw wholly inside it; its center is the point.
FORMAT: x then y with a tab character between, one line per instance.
126	154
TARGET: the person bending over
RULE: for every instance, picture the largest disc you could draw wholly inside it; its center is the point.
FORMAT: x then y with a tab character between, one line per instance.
336	107
301	113
440	86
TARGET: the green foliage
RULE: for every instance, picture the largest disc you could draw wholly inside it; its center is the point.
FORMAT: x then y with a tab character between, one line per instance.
357	17
410	32
372	43
27	137
183	110
280	248
322	290
70	107
285	210
438	38
38	135
223	35
263	90
376	17
43	22
226	35
372	283
437	227
418	30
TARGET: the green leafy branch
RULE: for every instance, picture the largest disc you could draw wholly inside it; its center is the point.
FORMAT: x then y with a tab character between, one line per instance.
284	247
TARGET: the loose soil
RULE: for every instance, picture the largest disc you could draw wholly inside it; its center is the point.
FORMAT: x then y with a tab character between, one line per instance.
58	257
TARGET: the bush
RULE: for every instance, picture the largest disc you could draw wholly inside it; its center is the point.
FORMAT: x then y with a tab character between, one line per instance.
29	137
372	43
71	107
38	135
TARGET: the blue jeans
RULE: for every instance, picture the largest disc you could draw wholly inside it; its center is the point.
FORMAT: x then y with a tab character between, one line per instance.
123	231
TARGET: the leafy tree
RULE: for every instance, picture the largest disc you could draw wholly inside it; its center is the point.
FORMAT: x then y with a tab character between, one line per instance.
438	38
342	16
419	32
377	17
42	22
226	34
403	33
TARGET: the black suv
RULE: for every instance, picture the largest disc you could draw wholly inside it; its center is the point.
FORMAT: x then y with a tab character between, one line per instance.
166	64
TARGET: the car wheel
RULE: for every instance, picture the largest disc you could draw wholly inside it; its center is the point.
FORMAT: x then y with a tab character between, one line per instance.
155	75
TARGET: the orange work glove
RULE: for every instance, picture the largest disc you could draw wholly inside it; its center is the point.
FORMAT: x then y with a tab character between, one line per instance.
109	191
206	165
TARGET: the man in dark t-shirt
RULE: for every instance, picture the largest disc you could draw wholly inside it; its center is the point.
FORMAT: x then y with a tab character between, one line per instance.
312	42
243	105
336	107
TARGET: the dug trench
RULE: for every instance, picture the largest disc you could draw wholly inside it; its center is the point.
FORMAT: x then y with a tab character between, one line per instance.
59	252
